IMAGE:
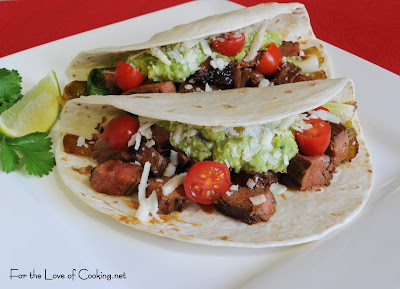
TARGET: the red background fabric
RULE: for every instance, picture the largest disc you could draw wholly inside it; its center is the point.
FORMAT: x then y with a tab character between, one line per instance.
369	28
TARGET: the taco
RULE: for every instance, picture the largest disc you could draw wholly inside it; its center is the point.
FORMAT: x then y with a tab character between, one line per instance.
264	45
268	191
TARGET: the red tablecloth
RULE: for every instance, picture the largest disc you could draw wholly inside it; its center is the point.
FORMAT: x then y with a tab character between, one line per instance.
369	28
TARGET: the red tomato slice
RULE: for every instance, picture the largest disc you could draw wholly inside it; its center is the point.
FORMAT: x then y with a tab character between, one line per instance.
270	61
321	108
229	44
127	76
205	180
119	131
315	140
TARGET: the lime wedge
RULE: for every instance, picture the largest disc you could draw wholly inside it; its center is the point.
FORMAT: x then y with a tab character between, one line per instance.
37	110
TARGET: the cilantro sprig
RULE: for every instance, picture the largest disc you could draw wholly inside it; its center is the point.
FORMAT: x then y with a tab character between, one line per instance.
10	88
35	151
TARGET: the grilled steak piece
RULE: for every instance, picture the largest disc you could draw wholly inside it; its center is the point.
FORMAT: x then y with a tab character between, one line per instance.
290	48
70	142
109	77
262	180
159	161
286	73
175	201
156	87
338	148
116	178
246	77
238	205
305	172
102	152
160	136
255	78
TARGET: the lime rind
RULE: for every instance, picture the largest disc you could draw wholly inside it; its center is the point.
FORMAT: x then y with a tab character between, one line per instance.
38	110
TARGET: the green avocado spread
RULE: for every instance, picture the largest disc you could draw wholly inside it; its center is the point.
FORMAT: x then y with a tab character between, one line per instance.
252	149
178	61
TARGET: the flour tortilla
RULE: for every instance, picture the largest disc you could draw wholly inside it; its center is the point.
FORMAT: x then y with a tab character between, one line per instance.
300	216
290	19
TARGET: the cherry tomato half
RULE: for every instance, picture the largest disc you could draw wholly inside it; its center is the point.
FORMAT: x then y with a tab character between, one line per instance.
315	140
321	108
127	76
119	131
229	44
270	61
205	180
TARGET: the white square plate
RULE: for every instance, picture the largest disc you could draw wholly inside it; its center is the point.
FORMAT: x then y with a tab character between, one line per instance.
45	227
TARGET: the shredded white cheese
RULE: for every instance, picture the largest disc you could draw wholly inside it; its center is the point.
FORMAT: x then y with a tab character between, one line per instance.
156	52
264	83
277	189
324	115
207	87
219	63
258	40
170	170
173	183
138	137
173	156
150	143
234	188
81	142
188	86
250	183
285	160
159	180
228	193
152	201
143	211
258	200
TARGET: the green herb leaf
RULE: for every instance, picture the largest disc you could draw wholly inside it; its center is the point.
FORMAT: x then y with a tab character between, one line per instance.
35	149
10	88
10	160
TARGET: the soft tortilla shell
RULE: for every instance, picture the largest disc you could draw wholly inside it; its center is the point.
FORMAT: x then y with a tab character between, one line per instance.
300	217
291	19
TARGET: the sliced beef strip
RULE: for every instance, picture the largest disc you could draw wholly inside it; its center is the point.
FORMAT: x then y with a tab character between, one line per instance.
175	201
338	148
290	48
238	205
116	178
262	180
286	73
156	87
70	142
305	172
159	161
102	152
109	77
160	136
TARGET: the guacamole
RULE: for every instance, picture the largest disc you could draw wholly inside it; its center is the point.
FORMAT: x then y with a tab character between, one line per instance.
252	149
184	59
